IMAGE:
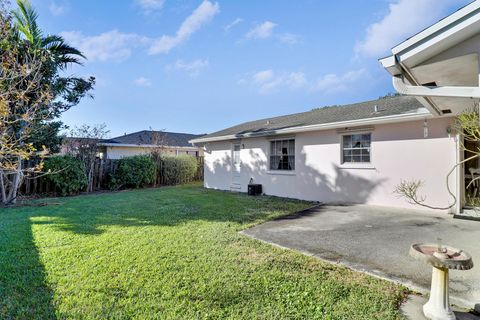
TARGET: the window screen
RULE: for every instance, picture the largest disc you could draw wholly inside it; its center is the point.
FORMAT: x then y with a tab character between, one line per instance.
282	154
356	148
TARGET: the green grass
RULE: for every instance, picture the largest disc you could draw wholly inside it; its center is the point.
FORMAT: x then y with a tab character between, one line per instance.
170	253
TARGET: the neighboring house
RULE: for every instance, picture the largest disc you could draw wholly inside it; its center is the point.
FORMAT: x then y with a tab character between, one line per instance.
351	154
144	142
359	153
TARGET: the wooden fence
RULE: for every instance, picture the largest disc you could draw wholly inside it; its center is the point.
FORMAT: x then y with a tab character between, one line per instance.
102	170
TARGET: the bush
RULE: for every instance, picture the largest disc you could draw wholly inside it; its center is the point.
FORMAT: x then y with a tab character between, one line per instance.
68	174
179	169
134	172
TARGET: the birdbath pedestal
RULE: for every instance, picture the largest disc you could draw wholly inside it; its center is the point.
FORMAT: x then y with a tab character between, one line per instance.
441	258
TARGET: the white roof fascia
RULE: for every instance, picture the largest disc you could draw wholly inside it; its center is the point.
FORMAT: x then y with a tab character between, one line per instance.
419	115
437	27
127	145
449	31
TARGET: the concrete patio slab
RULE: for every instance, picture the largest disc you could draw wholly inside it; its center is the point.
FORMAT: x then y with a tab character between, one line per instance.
412	309
376	240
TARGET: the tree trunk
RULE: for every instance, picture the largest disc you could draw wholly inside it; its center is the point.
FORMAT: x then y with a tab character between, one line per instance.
2	187
17	181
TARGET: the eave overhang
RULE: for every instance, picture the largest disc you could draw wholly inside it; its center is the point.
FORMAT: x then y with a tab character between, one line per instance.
421	114
128	145
440	65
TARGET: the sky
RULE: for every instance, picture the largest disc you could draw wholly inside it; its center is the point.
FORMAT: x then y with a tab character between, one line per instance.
200	66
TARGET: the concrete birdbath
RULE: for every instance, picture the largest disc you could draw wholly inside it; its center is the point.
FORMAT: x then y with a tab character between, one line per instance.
442	258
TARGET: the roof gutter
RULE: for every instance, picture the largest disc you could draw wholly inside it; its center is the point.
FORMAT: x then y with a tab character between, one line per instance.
127	145
435	91
325	126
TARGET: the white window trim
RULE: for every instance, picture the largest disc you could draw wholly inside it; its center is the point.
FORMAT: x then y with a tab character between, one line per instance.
281	172
356	165
232	147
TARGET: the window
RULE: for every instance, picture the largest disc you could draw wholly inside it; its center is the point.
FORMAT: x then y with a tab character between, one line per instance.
356	148
282	154
236	154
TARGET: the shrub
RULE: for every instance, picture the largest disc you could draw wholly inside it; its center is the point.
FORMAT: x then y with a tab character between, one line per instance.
134	171
179	169
68	174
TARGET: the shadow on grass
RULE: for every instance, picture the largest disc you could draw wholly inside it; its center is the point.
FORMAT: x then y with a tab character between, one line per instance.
24	293
92	214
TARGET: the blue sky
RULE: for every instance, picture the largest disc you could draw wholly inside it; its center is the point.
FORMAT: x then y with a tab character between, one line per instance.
200	66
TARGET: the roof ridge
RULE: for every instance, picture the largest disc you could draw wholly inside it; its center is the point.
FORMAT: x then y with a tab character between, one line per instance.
387	106
147	131
315	109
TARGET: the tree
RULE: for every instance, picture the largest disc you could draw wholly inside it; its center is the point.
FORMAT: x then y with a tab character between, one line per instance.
22	97
159	143
33	92
67	90
84	144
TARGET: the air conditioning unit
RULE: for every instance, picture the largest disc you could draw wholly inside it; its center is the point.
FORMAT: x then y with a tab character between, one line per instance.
254	189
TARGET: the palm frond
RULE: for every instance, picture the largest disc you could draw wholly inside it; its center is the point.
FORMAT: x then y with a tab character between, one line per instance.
25	18
62	53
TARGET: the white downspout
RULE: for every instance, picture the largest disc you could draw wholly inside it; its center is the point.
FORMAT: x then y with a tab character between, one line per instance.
460	180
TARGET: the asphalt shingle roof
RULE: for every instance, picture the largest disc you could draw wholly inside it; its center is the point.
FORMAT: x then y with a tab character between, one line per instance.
357	111
172	139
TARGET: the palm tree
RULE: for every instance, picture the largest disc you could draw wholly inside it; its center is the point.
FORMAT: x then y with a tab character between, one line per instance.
60	53
51	93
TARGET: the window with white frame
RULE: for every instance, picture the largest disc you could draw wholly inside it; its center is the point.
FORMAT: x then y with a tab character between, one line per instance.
236	154
356	148
282	154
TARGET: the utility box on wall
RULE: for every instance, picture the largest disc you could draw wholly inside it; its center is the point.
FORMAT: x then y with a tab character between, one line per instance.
254	189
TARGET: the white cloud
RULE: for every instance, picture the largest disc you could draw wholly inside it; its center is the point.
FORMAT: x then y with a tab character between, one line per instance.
232	24
150	5
289	38
202	15
193	68
261	31
268	81
143	82
108	46
264	76
404	18
58	9
334	82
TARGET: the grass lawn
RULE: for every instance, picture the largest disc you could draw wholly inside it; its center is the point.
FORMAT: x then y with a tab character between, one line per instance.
170	253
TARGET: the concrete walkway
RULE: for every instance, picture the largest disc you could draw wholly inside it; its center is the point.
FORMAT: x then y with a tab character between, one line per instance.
376	240
412	309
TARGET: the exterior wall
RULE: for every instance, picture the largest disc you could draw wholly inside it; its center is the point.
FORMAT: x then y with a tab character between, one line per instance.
122	152
398	151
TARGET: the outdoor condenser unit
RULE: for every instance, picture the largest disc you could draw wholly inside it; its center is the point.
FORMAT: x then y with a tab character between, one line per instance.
254	189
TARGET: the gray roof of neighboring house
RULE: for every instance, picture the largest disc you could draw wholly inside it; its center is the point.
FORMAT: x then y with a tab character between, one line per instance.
150	137
364	110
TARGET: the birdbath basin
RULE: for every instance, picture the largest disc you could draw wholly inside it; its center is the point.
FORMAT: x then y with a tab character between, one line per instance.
441	258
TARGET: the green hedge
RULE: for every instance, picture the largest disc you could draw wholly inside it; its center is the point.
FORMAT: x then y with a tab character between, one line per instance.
136	171
179	169
67	174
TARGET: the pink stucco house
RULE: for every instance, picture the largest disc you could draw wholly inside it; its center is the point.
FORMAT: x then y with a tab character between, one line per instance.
352	154
359	153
